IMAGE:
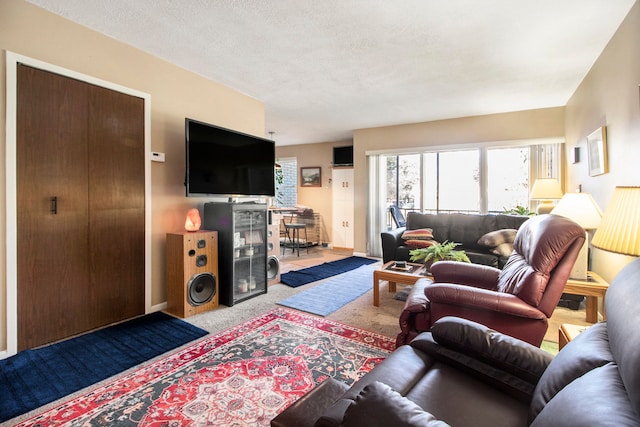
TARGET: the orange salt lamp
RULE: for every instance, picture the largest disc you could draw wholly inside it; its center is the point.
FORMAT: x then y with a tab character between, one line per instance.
193	220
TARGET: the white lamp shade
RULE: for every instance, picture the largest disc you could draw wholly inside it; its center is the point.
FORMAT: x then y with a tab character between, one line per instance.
546	189
581	208
619	230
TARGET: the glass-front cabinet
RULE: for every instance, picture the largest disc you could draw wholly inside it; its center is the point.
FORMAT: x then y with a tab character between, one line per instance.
242	248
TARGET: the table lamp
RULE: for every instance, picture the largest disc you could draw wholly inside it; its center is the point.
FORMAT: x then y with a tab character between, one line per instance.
581	208
545	190
619	230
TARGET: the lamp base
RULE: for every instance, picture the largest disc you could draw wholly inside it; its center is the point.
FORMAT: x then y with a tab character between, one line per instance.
581	266
545	207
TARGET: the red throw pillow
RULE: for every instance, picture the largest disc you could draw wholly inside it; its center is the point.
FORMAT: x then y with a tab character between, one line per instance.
420	243
418	234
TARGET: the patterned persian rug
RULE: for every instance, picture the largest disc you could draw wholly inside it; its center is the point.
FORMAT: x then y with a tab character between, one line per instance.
244	376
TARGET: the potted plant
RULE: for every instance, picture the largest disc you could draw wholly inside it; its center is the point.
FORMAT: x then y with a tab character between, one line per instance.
519	210
438	252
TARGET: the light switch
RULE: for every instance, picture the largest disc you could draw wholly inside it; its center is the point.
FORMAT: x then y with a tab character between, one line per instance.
157	157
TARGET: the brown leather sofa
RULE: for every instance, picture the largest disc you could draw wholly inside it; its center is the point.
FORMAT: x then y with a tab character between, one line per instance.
465	229
465	374
517	300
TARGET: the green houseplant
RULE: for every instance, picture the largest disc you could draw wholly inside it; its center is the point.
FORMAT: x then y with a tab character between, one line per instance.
438	252
519	210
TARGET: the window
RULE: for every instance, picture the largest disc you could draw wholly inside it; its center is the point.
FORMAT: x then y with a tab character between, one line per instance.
508	178
403	181
458	181
467	180
443	181
286	182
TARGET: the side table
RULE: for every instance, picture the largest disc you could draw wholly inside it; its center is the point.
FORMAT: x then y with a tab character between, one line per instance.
567	332
394	276
592	288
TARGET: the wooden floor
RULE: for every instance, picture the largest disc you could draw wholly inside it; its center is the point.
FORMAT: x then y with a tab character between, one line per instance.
317	255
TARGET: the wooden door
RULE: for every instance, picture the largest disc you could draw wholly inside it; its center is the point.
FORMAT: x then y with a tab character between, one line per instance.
73	175
116	205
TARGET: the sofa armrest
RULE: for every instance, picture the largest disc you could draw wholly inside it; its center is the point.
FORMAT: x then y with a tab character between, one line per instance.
400	371
480	299
306	410
390	241
476	275
417	299
508	363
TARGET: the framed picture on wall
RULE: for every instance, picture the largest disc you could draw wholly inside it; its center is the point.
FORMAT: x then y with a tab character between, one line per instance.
597	151
311	176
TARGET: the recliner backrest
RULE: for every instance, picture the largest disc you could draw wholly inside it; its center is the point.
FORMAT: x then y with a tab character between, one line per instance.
545	250
594	379
623	315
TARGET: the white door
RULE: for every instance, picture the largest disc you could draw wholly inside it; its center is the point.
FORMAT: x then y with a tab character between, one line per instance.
342	208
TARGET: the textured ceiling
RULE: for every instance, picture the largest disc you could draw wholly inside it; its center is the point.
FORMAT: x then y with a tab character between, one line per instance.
326	67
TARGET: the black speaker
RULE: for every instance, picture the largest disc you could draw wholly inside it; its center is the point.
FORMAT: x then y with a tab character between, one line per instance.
192	272
273	249
273	269
201	288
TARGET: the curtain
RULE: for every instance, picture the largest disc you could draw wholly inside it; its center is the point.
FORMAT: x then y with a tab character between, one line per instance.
377	206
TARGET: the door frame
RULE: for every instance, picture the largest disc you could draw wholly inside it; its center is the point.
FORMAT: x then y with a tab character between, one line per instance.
11	260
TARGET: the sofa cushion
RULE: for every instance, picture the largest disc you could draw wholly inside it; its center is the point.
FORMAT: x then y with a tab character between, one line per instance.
498	237
440	224
587	351
598	398
380	405
498	350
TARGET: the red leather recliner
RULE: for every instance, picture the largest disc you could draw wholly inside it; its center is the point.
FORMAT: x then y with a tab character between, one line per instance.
517	300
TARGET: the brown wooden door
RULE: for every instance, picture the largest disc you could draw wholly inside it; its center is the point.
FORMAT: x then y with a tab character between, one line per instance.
116	205
80	203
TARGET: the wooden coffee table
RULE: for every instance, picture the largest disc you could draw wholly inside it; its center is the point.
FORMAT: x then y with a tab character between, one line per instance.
395	276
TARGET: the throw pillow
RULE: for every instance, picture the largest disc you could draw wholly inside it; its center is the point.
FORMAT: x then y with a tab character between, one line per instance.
495	238
503	249
418	234
380	405
419	243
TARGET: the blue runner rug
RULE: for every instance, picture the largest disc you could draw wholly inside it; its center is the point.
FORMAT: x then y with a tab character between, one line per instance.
33	378
322	271
331	295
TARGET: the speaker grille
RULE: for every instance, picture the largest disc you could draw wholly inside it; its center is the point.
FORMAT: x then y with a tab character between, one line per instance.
201	288
273	267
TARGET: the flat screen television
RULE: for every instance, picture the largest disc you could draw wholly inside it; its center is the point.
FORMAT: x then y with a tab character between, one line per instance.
343	156
224	162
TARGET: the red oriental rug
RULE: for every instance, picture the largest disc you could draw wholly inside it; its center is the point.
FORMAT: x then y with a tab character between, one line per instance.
244	376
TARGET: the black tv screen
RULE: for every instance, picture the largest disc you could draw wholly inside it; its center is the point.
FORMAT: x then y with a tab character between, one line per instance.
221	161
343	156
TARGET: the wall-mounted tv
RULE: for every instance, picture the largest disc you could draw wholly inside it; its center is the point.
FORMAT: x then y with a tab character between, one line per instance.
224	162
343	156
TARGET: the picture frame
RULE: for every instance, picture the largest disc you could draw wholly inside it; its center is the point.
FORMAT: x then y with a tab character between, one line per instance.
597	151
311	176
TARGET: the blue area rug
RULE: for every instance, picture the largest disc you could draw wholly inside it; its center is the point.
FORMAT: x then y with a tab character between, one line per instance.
33	378
323	271
329	296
